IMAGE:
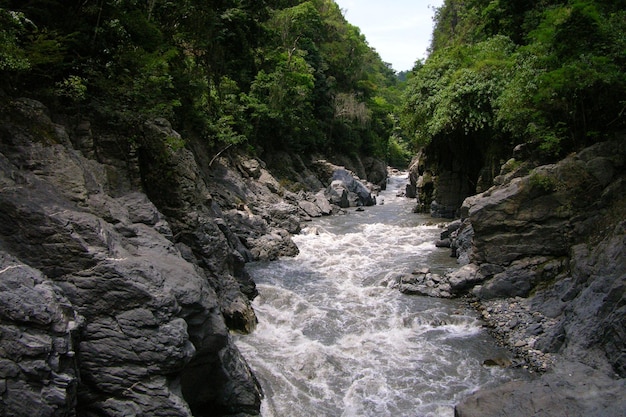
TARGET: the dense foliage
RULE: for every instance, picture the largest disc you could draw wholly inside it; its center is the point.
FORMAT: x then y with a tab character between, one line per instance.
275	74
550	72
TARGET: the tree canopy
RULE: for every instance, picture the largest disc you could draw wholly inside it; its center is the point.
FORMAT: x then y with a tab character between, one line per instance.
277	74
295	75
550	72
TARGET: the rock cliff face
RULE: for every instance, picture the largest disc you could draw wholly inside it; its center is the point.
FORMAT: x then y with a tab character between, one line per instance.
447	171
106	313
122	269
547	263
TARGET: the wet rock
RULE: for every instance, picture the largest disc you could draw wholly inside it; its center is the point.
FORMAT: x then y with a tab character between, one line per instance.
572	389
499	362
323	204
422	282
423	271
463	278
337	194
273	245
449	229
443	243
311	209
462	245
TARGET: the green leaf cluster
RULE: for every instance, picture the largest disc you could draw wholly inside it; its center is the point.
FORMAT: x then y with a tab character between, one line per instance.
550	73
278	74
13	25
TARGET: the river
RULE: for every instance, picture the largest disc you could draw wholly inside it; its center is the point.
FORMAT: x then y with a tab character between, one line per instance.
334	338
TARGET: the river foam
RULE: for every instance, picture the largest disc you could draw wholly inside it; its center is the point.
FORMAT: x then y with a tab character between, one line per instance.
334	339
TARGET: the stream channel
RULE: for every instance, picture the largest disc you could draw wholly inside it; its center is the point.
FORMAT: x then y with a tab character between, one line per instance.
335	339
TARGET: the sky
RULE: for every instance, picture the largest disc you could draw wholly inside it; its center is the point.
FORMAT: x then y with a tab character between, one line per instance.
399	30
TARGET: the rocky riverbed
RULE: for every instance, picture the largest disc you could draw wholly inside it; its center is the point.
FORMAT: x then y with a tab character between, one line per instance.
122	264
543	259
122	269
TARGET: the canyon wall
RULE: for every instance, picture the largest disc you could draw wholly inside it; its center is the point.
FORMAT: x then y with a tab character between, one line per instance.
122	266
543	253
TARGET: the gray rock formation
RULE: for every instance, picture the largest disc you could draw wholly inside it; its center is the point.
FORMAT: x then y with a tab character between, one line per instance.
338	194
345	184
39	328
104	311
570	390
548	265
446	172
421	183
375	172
423	282
343	187
367	170
122	267
544	253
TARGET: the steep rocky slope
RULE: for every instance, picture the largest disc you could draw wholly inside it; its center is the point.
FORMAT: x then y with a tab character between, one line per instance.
545	256
122	268
104	313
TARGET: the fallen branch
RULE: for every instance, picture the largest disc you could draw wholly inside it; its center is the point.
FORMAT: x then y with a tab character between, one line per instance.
219	153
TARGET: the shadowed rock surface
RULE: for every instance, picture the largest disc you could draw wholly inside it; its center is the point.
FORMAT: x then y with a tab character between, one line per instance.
545	256
143	314
570	390
122	268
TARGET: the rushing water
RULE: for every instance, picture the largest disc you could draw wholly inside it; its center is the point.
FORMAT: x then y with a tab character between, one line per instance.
334	339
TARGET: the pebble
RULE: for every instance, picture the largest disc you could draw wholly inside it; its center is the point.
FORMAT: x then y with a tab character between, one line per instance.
513	323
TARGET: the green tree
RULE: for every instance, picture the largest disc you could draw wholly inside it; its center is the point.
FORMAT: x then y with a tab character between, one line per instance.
288	74
12	27
455	92
550	73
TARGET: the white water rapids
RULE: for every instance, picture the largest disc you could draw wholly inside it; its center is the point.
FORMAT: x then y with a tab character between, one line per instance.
335	340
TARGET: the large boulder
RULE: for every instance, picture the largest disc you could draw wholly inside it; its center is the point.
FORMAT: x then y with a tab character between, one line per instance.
547	211
571	389
338	194
284	216
358	193
322	203
97	282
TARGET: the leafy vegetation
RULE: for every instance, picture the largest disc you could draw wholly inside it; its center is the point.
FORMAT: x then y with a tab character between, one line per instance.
276	74
551	73
295	75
